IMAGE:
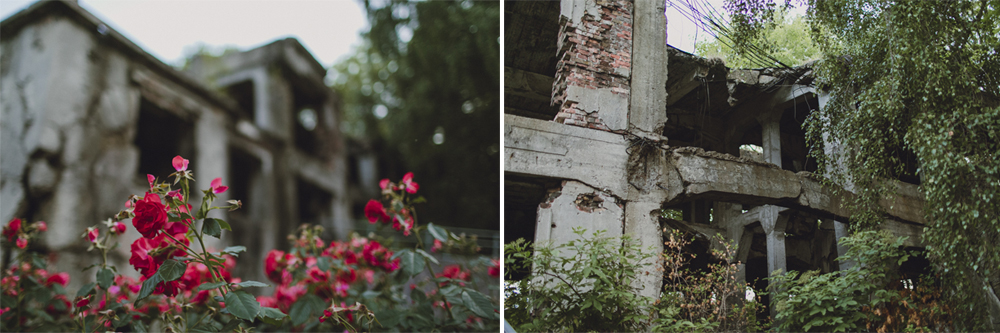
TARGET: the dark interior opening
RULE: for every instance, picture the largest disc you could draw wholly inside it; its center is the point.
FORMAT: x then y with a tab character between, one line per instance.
244	181
308	120
314	203
243	168
522	195
160	136
242	93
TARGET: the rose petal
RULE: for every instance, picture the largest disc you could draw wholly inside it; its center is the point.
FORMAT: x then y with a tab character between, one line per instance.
180	164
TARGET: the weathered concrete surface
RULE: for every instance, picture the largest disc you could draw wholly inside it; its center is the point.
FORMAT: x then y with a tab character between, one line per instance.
576	205
642	223
549	149
70	99
649	51
546	148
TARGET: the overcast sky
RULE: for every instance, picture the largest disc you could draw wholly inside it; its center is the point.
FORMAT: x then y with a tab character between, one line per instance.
170	29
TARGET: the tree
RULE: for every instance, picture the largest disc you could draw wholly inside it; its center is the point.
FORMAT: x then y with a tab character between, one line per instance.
426	88
788	42
921	78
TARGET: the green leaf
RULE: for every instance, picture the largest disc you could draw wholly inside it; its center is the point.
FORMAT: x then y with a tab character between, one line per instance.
300	312
204	328
411	263
234	250
439	233
323	263
211	285
105	277
139	327
272	316
148	286
252	284
231	325
428	256
478	304
211	227
242	305
171	270
224	224
85	290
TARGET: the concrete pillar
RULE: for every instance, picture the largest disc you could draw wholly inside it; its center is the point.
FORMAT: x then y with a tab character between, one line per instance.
834	148
727	216
649	52
642	223
840	230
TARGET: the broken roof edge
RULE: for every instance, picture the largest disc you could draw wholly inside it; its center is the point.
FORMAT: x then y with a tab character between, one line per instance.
14	23
802	73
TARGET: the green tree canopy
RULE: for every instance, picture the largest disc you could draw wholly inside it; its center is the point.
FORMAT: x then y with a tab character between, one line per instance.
788	42
922	78
425	90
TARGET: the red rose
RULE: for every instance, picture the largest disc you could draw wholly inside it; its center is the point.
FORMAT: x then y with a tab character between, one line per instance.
141	260
12	228
61	278
150	215
275	265
410	185
374	211
495	269
118	228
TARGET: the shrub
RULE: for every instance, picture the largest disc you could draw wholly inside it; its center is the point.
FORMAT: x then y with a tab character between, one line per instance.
869	296
359	283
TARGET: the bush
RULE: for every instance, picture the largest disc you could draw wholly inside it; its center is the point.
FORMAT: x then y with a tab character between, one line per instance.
581	285
869	296
588	284
359	283
711	300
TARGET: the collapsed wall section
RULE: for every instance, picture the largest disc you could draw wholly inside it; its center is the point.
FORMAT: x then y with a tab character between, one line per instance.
593	72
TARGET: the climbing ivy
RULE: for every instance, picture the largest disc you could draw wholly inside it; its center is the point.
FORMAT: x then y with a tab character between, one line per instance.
919	77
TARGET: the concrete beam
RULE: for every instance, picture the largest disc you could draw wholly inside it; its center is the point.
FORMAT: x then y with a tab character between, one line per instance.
599	159
549	149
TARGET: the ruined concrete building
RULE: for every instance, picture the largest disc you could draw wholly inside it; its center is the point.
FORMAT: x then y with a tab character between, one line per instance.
86	114
599	107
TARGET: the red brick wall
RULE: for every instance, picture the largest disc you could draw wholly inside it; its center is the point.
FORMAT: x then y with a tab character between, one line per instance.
594	53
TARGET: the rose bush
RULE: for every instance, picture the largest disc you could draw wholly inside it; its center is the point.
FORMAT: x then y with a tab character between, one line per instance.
185	286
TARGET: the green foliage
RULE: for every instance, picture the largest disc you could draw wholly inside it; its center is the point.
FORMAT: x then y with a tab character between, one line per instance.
431	70
920	78
788	42
843	301
706	300
586	284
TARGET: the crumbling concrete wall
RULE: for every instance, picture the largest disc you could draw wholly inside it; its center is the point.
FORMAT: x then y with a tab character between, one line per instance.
70	107
73	140
592	80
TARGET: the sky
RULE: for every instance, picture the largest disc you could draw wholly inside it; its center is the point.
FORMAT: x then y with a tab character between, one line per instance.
171	29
